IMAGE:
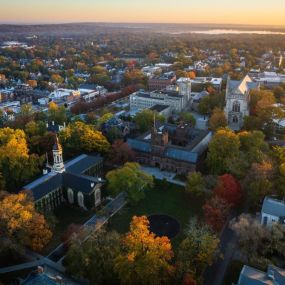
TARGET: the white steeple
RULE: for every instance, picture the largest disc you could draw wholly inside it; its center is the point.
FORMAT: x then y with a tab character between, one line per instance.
58	165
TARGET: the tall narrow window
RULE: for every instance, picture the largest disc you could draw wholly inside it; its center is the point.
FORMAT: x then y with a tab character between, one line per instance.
236	106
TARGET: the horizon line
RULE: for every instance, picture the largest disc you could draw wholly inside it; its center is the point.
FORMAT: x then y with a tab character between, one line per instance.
25	23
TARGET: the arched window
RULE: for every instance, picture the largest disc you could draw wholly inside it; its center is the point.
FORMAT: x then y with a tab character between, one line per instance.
236	106
80	199
70	196
235	119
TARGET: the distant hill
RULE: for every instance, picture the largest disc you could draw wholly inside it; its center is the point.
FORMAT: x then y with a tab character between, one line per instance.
91	28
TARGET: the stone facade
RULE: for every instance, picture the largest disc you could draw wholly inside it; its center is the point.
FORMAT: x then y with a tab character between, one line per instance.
237	101
171	148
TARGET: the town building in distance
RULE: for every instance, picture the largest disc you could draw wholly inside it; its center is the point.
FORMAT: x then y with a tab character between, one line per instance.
176	97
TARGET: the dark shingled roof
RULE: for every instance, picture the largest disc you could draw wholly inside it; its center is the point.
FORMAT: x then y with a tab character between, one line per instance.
82	163
39	279
82	183
45	185
139	145
183	155
72	177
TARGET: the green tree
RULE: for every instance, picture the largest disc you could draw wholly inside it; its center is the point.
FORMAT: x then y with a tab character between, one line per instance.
224	146
187	117
94	258
195	183
130	179
56	114
197	251
145	119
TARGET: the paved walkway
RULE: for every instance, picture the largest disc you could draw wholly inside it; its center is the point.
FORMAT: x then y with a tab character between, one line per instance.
161	175
56	256
214	275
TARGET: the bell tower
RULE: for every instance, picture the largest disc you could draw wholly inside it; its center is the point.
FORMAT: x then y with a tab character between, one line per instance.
58	165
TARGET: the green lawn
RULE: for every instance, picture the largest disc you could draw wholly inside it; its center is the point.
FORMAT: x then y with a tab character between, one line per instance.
66	215
164	198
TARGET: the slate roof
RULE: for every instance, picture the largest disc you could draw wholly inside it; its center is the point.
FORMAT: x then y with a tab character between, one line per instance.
82	183
252	276
242	86
72	177
182	155
82	163
39	279
44	185
273	207
139	145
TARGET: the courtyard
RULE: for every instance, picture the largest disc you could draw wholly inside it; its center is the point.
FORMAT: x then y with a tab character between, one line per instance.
163	199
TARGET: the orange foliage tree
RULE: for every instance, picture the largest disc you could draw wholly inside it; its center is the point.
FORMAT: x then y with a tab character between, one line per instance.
21	223
146	257
229	189
216	211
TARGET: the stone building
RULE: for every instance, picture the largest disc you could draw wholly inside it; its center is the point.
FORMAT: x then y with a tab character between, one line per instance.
173	148
237	101
75	182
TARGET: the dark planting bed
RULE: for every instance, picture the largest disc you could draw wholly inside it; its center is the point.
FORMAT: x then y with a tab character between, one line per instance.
164	225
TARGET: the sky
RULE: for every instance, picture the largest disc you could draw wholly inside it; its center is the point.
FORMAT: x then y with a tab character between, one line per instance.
256	12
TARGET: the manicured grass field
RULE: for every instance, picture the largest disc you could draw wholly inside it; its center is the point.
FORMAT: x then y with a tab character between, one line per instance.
164	198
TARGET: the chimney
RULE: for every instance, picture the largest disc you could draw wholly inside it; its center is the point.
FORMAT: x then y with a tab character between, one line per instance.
52	123
59	280
40	269
45	171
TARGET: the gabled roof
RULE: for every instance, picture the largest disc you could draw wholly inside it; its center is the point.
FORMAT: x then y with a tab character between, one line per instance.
45	185
273	207
82	183
82	163
242	86
72	177
252	276
139	145
183	155
39	279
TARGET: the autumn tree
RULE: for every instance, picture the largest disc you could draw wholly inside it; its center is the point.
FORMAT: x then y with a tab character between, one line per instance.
130	179
145	258
79	137
218	119
121	153
56	113
197	251
94	257
259	181
223	147
216	211
16	164
279	154
21	223
229	189
195	183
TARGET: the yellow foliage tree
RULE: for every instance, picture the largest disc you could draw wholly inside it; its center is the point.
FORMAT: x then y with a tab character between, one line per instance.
21	223
146	257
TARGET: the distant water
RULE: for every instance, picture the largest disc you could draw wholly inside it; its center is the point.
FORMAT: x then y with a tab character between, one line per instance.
224	31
